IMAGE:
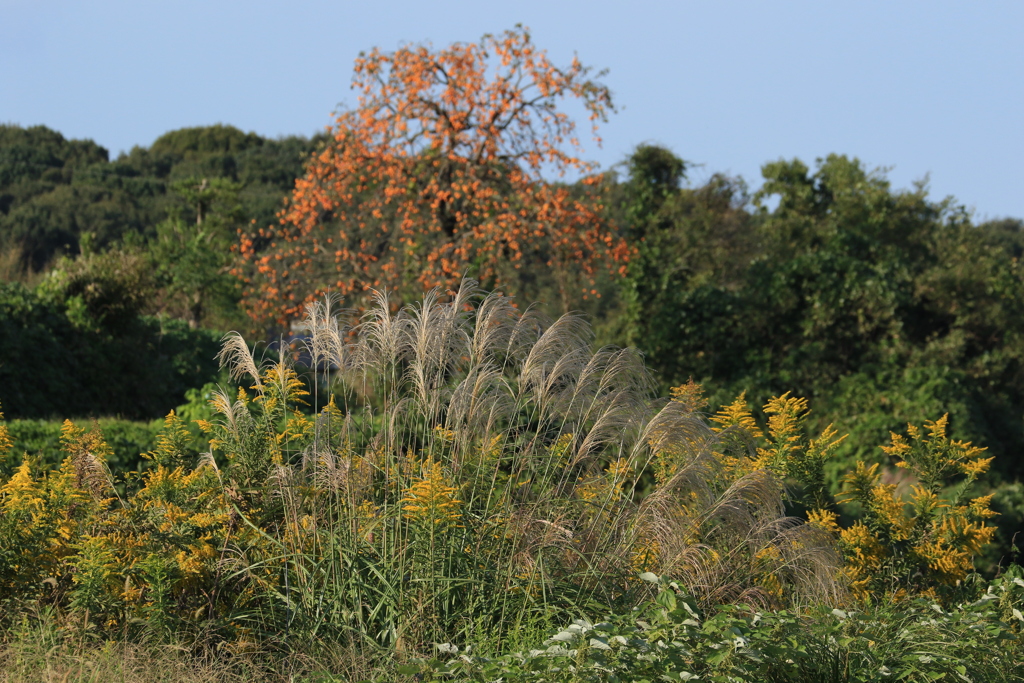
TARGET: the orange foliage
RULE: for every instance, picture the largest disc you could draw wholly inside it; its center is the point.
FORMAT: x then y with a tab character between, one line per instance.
436	175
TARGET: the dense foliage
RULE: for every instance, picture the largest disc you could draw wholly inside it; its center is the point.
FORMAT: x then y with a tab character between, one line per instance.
882	307
465	471
39	440
474	472
65	197
90	249
872	302
90	354
671	638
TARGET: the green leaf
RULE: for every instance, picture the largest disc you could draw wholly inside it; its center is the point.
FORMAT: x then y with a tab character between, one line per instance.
667	599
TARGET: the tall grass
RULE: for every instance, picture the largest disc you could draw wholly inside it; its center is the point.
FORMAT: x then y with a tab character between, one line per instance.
485	470
43	647
478	474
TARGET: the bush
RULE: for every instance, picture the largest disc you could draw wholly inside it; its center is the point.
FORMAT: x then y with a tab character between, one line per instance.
54	364
671	639
40	440
480	470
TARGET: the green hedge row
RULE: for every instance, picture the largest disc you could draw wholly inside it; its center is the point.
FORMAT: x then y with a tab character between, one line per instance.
53	366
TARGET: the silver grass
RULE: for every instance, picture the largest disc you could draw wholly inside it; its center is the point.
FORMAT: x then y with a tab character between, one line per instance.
237	358
494	329
91	474
560	350
328	344
206	460
234	411
382	337
438	340
502	380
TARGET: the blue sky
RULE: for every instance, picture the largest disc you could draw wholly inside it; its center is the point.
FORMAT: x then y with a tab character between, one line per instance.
932	88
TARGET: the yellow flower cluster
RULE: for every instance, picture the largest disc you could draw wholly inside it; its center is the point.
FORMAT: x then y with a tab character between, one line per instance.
444	435
786	415
927	536
903	545
608	485
690	395
366	521
5	438
430	498
64	526
864	557
561	449
935	457
737	414
766	563
784	450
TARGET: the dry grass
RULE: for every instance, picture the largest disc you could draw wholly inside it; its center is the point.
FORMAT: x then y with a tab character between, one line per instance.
25	661
48	656
13	268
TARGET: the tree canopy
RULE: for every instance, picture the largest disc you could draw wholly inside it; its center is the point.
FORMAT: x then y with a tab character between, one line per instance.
436	174
54	190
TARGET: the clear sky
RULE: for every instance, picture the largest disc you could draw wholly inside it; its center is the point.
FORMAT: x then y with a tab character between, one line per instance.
921	87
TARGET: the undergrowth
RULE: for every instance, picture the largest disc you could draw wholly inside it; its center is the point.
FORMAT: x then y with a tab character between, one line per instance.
478	475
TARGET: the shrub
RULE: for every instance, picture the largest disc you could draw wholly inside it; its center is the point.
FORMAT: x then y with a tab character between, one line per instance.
58	360
40	440
671	639
918	537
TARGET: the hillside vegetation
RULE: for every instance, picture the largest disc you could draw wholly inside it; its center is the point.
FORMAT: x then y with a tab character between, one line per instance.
770	435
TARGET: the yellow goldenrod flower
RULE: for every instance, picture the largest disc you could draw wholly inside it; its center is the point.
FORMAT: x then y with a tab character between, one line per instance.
430	498
890	511
824	519
691	395
737	414
979	507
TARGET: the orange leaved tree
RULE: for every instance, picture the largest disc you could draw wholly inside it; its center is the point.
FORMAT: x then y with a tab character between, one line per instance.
435	175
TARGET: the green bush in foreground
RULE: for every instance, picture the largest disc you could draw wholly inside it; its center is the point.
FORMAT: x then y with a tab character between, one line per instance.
670	639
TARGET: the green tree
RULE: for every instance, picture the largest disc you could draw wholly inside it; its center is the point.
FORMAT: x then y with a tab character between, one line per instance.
71	348
192	260
54	190
678	289
100	291
878	304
